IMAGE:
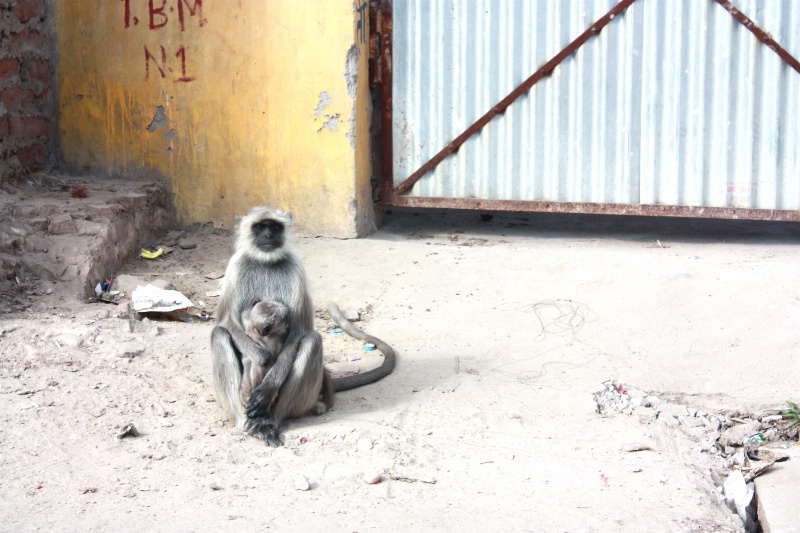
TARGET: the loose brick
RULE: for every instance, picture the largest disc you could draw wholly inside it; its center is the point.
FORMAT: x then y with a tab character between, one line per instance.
8	67
31	157
25	10
61	225
36	70
27	126
16	98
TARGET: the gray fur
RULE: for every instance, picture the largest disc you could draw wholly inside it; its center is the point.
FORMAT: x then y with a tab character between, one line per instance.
265	323
289	376
263	267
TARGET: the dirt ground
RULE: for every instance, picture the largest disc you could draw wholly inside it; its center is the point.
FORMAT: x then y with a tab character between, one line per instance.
504	326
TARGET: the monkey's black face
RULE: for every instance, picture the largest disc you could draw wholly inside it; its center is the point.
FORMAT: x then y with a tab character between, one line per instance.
268	235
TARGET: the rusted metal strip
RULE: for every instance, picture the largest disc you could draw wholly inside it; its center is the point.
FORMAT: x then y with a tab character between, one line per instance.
787	215
545	70
385	66
760	34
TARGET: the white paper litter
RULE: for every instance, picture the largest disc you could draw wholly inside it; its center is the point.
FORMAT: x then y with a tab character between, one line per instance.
152	299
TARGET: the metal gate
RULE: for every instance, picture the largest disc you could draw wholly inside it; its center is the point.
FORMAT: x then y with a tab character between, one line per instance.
655	107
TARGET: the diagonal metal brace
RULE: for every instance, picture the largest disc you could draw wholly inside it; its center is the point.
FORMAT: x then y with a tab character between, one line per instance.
544	71
762	36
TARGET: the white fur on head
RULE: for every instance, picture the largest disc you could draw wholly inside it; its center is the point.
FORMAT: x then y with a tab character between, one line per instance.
244	237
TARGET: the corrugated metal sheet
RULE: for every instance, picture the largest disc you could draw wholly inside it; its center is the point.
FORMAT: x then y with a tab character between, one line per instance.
674	102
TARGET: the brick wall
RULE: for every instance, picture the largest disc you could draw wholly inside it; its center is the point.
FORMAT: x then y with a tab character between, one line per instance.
27	103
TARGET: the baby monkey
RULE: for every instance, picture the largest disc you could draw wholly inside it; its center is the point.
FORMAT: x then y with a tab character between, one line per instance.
267	325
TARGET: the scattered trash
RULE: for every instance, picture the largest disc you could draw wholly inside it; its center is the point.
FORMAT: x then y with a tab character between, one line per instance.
369	347
168	303
336	331
152	299
79	191
604	479
739	496
87	490
766	459
364	445
352	358
212	294
305	439
151	254
128	430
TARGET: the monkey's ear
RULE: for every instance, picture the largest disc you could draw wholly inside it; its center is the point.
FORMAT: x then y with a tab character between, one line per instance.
287	214
238	219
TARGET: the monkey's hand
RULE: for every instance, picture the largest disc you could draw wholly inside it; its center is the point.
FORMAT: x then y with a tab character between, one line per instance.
262	400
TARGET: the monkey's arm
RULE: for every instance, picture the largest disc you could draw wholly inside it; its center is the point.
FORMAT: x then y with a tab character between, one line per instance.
264	395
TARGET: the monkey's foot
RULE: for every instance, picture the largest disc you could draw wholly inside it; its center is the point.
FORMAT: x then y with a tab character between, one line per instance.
264	429
320	409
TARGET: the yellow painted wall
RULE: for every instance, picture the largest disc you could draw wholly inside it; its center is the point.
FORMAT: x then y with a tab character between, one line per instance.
254	98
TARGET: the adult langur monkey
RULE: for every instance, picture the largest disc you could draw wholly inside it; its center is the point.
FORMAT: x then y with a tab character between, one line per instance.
263	267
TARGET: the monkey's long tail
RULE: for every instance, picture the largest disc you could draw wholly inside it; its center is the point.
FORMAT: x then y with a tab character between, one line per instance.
371	376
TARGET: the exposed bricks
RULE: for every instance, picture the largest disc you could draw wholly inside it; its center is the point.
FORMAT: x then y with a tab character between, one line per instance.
27	126
15	99
31	157
25	10
27	108
8	68
36	70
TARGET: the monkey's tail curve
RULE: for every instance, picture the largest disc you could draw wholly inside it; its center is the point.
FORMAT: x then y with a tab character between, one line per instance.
371	376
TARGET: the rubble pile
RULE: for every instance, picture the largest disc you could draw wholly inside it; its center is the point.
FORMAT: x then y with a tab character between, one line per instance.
734	440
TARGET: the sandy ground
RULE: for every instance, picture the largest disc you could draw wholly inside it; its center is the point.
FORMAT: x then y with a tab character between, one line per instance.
503	329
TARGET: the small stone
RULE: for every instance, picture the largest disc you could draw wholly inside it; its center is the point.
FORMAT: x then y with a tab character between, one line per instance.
61	225
690	421
301	483
692	411
639	401
364	445
654	401
668	420
514	415
673	409
372	478
129	350
187	244
711	422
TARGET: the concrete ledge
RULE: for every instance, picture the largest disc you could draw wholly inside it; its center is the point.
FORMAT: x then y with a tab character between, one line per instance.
778	497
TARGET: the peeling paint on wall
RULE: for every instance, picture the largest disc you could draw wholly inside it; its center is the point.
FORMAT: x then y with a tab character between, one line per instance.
351	77
330	121
324	102
159	119
206	99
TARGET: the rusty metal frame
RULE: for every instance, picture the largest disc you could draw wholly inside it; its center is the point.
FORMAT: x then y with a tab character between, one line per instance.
381	75
760	34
